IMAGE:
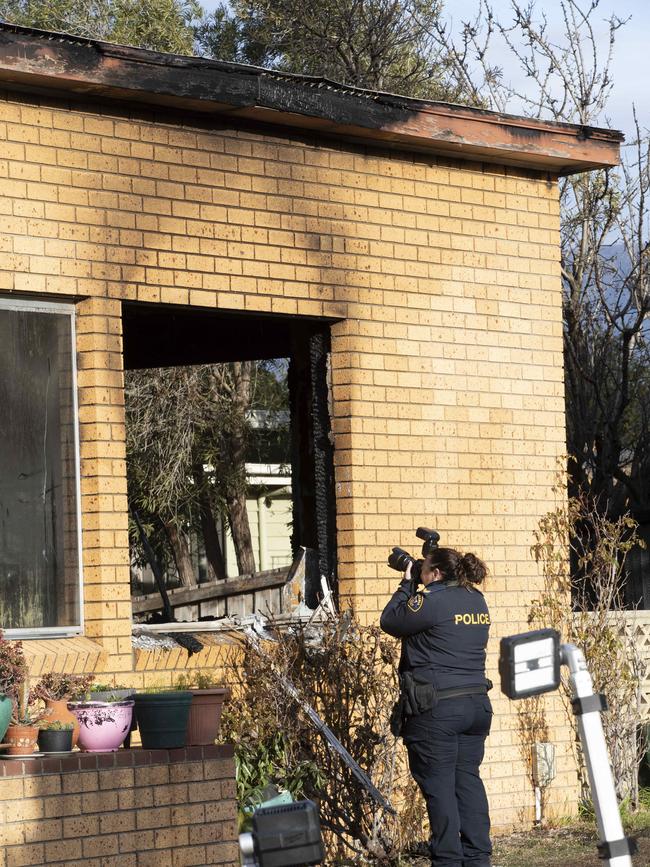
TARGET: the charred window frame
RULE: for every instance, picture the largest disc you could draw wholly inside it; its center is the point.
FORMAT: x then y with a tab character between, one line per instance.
41	580
314	503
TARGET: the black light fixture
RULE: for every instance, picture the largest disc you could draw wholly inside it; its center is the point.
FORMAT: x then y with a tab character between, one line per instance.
529	664
283	835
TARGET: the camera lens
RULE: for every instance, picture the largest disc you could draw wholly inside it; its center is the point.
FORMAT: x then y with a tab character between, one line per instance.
399	559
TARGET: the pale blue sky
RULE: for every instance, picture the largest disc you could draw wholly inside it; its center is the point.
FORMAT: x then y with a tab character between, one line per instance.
631	78
629	67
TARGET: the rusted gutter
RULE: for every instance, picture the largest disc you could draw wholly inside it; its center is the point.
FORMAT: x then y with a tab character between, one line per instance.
59	64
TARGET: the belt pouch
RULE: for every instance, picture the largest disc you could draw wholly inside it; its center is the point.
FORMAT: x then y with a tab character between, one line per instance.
426	697
397	717
419	696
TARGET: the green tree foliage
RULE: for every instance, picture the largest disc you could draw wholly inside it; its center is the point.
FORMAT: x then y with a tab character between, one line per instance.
377	44
220	35
160	25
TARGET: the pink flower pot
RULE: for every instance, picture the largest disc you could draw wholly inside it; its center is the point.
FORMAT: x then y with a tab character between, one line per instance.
103	726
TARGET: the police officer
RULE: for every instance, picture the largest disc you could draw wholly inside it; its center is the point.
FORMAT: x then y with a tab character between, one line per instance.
443	698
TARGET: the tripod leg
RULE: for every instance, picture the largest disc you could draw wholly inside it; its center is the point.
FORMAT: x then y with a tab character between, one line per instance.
615	848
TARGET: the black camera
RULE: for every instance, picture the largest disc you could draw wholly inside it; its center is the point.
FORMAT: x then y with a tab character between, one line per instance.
399	559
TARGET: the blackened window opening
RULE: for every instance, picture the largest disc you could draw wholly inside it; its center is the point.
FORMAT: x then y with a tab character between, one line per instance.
157	336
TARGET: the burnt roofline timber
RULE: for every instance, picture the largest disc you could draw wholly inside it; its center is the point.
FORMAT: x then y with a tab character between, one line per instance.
64	65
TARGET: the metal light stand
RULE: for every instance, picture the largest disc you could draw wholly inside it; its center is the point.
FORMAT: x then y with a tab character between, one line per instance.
615	848
247	850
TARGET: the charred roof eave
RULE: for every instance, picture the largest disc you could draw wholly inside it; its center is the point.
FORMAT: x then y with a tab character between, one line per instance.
67	65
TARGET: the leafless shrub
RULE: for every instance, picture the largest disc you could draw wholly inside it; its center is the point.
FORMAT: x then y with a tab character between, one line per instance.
583	554
348	677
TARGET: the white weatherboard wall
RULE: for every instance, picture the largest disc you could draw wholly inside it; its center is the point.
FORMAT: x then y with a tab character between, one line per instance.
276	522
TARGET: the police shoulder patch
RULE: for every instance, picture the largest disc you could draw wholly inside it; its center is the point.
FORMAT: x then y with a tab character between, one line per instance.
415	602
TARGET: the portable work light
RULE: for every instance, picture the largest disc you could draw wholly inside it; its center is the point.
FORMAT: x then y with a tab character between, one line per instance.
283	835
529	664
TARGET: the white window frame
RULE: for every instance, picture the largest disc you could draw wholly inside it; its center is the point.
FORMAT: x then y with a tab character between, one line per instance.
67	309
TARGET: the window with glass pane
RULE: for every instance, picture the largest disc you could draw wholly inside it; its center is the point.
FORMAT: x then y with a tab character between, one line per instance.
39	522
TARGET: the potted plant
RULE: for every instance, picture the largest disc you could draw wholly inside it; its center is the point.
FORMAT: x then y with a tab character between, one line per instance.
105	692
22	733
55	736
103	725
13	672
108	693
56	690
162	716
208	697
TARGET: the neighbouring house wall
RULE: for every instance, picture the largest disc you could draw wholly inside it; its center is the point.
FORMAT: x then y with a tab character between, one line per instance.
133	808
446	357
277	528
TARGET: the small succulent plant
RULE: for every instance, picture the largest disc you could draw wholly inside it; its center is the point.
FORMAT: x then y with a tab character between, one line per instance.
57	726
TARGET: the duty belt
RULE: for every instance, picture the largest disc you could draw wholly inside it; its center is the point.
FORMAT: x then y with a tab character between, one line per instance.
417	697
461	690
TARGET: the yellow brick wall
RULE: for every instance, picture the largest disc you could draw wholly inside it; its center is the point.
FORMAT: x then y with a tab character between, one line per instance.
100	384
446	361
140	808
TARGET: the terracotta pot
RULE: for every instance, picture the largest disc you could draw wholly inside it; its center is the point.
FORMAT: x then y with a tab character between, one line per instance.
57	711
6	706
103	726
205	715
22	740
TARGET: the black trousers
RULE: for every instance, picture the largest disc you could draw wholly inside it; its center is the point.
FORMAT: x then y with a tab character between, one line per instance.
445	749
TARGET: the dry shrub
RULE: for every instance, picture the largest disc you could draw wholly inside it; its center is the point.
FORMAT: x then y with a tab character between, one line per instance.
346	672
582	553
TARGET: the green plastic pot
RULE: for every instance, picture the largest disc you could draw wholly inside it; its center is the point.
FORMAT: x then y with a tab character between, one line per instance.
162	718
5	715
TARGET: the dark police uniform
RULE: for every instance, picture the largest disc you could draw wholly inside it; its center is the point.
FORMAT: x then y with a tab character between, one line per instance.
444	630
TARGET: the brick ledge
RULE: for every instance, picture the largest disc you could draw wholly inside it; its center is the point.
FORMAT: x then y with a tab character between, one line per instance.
122	758
77	655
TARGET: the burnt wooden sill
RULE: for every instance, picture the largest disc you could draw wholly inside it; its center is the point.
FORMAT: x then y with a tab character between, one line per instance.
122	758
209	590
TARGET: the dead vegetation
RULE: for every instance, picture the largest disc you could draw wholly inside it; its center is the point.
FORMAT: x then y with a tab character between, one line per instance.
347	674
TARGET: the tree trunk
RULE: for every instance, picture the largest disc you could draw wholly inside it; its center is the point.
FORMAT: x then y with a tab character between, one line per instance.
213	551
241	533
236	499
181	552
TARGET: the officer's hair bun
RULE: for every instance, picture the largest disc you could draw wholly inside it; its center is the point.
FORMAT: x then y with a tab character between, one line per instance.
466	569
472	569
